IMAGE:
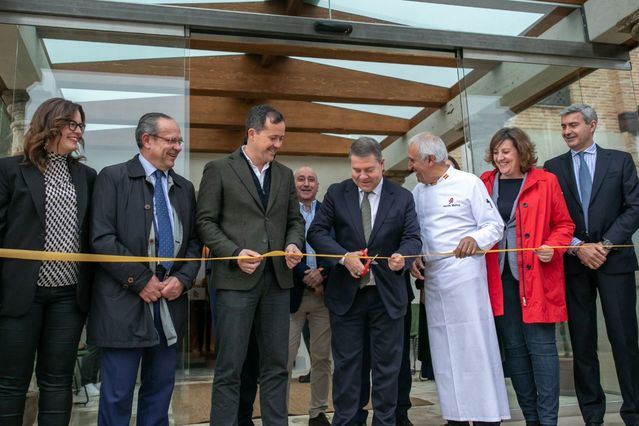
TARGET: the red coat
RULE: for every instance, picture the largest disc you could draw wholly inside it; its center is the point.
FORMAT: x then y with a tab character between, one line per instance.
541	217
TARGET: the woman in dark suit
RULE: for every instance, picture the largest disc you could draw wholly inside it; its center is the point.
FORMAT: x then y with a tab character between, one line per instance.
44	203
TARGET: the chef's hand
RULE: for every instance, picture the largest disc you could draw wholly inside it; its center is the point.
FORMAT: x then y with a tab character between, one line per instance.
416	269
396	262
467	247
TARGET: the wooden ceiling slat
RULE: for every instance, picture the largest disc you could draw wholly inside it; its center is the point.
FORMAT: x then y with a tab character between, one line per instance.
229	113
242	76
322	50
312	144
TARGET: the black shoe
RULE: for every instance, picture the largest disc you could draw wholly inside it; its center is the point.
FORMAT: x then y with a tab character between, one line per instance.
403	421
320	420
305	378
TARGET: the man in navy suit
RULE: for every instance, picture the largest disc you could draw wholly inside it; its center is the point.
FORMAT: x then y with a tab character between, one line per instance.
367	212
602	193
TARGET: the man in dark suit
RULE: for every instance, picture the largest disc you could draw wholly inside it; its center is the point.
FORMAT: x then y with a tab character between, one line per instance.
602	193
405	378
371	213
307	304
247	207
139	310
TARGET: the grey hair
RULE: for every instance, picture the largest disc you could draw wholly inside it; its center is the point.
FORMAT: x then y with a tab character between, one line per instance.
365	146
429	144
586	111
148	124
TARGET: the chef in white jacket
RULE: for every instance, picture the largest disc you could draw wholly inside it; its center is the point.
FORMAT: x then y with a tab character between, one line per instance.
457	215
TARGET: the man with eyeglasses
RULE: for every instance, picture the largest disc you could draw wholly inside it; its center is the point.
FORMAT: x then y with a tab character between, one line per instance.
139	310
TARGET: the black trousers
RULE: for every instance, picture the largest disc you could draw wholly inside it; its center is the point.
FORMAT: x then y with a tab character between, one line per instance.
248	382
52	327
618	295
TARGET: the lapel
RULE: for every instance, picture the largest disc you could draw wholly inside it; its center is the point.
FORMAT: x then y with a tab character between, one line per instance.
241	169
276	179
569	175
35	182
601	167
179	202
79	181
386	199
135	171
351	195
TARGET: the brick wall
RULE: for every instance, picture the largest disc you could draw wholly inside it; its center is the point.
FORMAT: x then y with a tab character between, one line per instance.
610	92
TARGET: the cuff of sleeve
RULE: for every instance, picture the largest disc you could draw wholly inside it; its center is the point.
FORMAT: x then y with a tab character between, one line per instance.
574	242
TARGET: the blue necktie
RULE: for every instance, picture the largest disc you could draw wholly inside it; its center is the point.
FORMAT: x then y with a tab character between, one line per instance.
163	231
585	186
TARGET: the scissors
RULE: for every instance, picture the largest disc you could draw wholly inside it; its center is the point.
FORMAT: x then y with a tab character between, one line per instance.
369	262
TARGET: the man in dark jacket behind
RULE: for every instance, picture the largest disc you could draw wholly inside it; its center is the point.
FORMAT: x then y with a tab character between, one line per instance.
138	310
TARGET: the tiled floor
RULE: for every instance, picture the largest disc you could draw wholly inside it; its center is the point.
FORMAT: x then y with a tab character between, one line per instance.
424	415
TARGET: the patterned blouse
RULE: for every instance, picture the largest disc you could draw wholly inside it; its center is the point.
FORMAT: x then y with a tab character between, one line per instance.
61	223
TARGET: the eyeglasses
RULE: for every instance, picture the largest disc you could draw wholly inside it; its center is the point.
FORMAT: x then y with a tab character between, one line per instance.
170	141
74	125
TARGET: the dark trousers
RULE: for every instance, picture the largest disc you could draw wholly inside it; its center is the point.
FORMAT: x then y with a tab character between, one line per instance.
531	358
349	332
268	306
618	295
52	327
423	346
248	382
90	365
405	376
404	382
119	370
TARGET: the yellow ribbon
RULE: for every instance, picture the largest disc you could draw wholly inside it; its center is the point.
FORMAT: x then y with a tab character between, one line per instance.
110	258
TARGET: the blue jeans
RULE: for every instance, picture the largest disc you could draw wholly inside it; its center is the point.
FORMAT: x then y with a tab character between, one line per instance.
531	358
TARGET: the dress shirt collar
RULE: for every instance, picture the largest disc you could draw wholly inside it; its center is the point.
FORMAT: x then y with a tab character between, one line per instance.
377	191
592	149
313	207
149	168
253	166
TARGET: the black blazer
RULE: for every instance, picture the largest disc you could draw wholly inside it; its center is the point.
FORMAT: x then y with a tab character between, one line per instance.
22	226
120	225
396	229
613	213
297	292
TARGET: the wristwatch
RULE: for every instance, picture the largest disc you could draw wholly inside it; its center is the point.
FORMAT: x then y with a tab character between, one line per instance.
607	242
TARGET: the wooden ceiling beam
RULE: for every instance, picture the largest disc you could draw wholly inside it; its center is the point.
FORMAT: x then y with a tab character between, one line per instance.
229	113
242	76
282	8
311	144
322	50
294	7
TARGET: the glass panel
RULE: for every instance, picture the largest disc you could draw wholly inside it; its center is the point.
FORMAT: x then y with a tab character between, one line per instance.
508	17
115	83
531	97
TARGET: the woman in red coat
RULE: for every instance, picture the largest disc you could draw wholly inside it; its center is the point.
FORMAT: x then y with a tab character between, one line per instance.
527	288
